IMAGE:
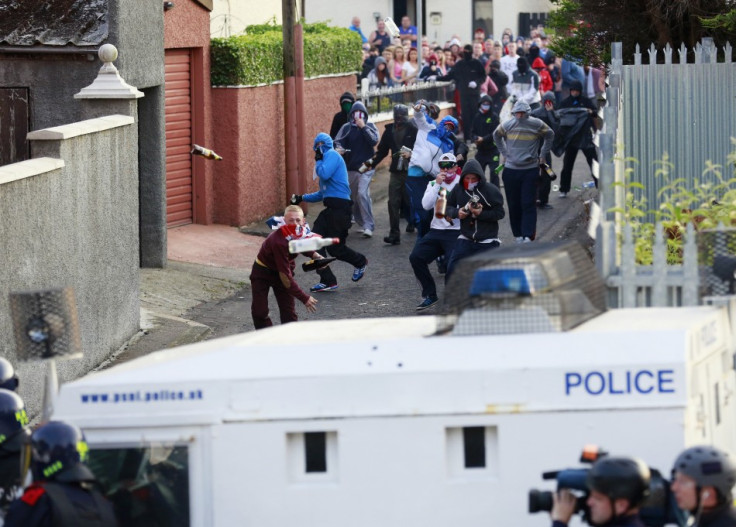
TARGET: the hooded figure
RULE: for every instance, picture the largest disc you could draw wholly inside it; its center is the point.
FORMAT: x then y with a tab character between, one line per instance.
468	75
484	123
577	125
525	84
334	220
433	140
359	137
379	77
545	80
398	138
479	206
346	102
431	70
523	143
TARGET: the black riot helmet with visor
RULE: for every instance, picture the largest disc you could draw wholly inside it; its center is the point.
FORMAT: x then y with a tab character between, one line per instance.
58	451
8	378
14	434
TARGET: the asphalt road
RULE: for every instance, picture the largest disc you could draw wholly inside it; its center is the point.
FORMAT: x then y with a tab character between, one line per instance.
388	287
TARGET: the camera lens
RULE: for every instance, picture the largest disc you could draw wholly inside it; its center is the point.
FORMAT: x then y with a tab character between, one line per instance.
540	501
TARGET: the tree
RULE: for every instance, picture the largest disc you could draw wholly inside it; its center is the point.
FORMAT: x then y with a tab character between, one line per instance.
580	25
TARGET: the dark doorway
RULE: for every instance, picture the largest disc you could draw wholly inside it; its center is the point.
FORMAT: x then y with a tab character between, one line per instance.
14	125
483	16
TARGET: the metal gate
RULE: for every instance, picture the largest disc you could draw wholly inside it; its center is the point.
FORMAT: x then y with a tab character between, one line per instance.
179	177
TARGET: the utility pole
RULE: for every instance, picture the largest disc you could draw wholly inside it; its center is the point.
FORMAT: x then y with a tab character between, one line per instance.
295	150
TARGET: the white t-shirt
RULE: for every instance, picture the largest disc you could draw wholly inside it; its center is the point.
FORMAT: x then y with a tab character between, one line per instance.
409	69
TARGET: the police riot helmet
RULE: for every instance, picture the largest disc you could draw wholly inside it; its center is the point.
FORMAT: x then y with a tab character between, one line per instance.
401	113
14	434
709	467
620	477
8	378
59	452
13	420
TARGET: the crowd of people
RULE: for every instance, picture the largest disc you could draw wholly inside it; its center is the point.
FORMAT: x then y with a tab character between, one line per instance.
518	105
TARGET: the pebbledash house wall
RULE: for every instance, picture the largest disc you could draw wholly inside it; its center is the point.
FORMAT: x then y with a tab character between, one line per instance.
250	182
70	219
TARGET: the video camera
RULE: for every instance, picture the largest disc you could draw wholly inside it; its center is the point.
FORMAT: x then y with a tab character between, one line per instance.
659	508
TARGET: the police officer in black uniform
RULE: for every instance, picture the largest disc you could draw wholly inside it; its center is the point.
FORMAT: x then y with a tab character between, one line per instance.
702	482
62	493
617	487
14	434
8	378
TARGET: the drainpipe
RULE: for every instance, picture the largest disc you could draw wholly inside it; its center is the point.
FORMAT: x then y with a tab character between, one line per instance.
291	99
302	139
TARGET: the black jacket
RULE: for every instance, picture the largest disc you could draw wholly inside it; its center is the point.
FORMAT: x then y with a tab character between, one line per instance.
485	226
388	143
465	71
580	136
483	126
60	504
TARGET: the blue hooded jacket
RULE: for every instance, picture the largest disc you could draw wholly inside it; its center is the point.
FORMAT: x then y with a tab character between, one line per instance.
432	141
331	171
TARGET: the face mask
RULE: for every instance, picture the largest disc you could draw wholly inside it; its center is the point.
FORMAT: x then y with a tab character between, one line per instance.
346	106
468	185
359	115
450	176
485	107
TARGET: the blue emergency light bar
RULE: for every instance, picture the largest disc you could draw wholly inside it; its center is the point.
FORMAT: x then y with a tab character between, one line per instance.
517	281
493	281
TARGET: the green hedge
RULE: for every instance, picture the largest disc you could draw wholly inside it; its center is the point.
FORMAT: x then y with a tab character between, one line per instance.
256	57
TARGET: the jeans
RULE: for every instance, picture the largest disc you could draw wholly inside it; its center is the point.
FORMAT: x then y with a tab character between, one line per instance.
422	218
436	243
465	248
521	199
360	193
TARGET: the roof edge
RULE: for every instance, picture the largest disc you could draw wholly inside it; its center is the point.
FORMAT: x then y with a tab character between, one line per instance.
207	4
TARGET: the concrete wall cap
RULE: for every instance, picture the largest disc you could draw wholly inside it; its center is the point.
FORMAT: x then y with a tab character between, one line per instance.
89	126
29	168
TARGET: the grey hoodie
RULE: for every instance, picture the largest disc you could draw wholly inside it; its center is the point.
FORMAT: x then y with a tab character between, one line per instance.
519	140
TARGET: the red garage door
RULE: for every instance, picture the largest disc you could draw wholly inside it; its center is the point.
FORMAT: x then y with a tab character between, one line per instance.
178	138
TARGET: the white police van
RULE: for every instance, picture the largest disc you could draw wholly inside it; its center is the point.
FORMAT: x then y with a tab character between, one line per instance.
384	422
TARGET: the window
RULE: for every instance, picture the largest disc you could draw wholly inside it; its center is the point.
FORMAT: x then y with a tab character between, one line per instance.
472	452
474	446
147	486
312	456
315	451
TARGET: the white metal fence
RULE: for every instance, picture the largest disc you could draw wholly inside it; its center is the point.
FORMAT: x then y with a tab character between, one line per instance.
686	111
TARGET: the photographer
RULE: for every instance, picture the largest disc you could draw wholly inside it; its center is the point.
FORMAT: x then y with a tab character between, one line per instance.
703	479
479	205
617	486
